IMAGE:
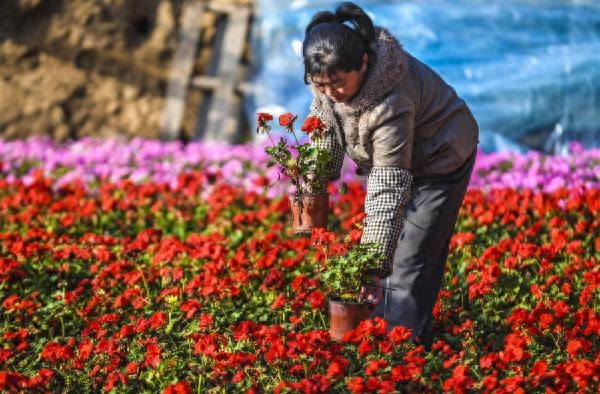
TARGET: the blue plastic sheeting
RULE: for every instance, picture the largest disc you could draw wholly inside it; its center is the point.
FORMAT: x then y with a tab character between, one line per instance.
529	70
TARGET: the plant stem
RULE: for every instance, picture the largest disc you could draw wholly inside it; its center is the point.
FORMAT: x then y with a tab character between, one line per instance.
271	138
145	284
295	137
200	384
298	186
323	320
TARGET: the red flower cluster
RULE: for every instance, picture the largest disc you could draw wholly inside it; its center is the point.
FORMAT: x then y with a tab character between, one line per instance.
263	118
287	120
313	125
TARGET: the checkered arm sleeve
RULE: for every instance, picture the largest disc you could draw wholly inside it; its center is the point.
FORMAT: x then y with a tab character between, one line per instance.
388	191
330	143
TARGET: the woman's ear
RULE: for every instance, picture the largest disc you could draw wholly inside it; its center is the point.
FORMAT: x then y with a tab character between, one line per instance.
365	61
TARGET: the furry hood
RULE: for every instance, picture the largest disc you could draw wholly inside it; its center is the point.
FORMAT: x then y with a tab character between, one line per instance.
382	78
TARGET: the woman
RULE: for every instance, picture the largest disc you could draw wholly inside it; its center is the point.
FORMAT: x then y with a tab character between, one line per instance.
413	137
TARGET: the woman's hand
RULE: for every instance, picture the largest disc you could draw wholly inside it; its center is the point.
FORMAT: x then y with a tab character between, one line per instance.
371	291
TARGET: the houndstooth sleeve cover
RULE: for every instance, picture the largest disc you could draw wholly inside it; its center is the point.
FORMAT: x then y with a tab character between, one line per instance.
389	181
388	191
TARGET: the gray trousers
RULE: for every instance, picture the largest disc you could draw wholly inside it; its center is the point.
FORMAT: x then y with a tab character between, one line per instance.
422	251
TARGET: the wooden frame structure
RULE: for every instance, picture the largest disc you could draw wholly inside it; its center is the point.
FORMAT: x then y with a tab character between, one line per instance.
220	115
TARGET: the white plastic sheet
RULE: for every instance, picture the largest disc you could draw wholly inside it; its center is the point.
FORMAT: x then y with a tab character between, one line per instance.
529	70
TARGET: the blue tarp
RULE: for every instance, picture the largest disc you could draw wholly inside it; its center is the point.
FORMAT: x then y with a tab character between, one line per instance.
529	70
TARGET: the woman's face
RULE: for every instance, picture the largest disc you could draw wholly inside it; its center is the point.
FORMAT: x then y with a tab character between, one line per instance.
340	86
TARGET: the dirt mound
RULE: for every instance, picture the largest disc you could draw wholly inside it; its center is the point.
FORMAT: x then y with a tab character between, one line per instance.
75	68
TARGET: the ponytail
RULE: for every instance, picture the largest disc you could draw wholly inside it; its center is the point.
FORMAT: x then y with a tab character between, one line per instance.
360	21
338	41
318	18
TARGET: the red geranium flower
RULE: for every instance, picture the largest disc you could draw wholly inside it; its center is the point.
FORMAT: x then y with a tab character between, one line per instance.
322	237
178	388
374	366
399	334
206	320
85	349
263	119
287	120
153	353
54	352
357	385
337	368
313	125
5	354
158	319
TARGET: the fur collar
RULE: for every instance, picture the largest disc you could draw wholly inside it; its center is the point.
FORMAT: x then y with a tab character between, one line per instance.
381	79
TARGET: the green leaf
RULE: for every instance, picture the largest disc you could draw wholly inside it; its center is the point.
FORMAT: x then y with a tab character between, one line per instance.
343	188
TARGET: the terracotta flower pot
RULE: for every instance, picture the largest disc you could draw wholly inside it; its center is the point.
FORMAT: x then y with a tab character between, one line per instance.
345	316
309	211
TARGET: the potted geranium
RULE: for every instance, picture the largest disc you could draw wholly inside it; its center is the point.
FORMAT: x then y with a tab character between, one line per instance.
305	165
345	269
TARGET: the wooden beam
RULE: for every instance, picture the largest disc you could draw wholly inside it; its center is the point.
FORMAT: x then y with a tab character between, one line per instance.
209	84
181	69
223	113
205	82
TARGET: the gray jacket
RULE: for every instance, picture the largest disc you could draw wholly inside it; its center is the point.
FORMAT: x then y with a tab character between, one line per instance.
404	116
405	122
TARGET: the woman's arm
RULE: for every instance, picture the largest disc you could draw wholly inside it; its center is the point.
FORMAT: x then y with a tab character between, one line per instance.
389	182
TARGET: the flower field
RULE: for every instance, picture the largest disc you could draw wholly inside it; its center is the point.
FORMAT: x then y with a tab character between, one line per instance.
162	267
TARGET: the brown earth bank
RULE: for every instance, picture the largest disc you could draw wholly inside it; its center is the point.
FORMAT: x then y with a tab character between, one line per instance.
76	68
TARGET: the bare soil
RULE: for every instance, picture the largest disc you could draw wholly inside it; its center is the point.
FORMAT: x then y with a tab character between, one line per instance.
76	68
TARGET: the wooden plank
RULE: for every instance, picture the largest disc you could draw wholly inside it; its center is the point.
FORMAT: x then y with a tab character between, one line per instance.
181	69
208	83
221	8
223	113
205	82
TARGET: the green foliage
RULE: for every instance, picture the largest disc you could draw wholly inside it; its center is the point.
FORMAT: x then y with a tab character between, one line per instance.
344	275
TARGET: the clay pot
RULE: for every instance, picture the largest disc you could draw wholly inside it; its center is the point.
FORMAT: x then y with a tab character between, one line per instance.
345	316
309	211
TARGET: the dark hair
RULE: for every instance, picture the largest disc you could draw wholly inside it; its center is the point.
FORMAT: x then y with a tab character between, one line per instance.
337	41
